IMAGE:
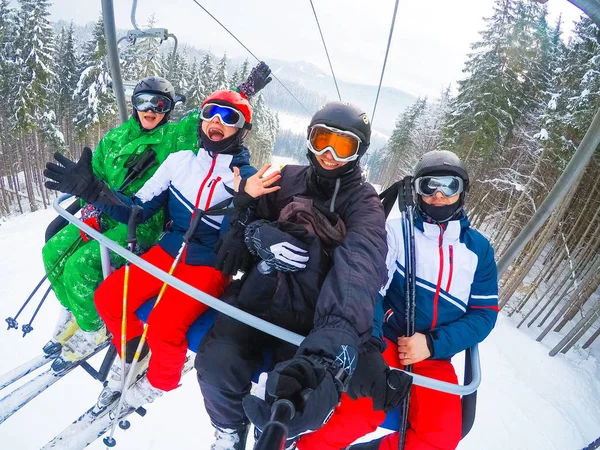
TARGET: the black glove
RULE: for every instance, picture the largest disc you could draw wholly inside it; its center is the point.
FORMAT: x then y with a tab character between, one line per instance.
232	253
78	179
373	378
277	244
258	79
309	383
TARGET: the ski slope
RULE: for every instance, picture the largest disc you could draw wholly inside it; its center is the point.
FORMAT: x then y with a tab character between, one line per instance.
527	400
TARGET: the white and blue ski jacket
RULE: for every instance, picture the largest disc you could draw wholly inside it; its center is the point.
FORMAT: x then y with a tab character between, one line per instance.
183	182
456	286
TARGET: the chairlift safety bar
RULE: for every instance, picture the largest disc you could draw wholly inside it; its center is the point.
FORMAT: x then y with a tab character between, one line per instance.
249	319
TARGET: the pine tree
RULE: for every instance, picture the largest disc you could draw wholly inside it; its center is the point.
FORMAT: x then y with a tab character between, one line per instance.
576	97
147	50
221	79
131	66
240	74
33	90
7	57
244	70
498	90
34	45
265	126
67	77
206	77
96	102
400	146
180	74
7	71
197	91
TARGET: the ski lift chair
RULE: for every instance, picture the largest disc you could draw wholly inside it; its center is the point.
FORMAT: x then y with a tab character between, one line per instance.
472	372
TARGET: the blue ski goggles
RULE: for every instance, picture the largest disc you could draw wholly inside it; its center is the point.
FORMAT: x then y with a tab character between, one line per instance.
227	115
448	185
146	101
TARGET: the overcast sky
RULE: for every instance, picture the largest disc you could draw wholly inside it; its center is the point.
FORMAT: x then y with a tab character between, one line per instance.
429	47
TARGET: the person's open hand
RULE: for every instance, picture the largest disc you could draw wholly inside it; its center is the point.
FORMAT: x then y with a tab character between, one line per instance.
257	184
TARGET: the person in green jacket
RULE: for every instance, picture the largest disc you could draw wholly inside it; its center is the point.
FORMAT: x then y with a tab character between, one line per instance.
126	157
124	161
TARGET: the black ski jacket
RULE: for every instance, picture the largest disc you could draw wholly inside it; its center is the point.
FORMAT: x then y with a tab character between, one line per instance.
343	311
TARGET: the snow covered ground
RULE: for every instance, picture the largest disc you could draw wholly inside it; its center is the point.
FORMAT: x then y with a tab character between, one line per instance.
527	400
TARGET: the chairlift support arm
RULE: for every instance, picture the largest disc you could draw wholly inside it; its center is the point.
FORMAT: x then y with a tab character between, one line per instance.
161	33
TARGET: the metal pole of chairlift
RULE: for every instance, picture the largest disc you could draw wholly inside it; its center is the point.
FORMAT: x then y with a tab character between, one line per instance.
569	177
590	7
108	14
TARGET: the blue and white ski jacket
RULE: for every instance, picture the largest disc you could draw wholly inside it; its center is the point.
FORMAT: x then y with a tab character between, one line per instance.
183	182
456	291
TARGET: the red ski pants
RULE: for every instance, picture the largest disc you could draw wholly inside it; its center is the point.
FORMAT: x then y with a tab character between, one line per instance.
170	319
435	418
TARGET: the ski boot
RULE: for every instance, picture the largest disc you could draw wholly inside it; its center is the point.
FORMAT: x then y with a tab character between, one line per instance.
141	393
81	345
65	328
113	385
229	438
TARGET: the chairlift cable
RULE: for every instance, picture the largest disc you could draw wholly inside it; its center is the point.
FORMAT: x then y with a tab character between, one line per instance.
326	51
249	51
387	50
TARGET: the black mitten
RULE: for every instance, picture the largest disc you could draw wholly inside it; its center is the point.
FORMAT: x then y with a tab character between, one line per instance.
306	381
232	253
373	378
78	179
257	80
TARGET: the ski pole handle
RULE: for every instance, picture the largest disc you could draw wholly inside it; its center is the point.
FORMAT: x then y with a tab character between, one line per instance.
408	191
196	217
135	217
275	432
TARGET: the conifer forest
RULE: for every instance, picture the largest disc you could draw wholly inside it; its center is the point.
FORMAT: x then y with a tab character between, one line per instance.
527	97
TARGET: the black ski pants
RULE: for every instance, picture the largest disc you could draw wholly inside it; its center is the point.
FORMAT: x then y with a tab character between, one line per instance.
228	356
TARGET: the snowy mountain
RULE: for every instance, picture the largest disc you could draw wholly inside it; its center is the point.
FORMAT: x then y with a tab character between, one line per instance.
391	100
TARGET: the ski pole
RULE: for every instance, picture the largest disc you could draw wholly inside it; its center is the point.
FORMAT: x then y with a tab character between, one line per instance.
12	321
187	238
27	328
406	204
135	216
275	432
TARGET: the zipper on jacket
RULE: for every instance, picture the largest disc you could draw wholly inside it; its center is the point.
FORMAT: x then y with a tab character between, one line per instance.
210	172
451	261
213	185
199	196
441	272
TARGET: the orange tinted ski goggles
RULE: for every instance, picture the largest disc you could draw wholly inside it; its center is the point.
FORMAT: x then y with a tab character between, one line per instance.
342	144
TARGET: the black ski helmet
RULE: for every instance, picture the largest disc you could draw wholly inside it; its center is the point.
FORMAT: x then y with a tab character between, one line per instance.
346	117
441	162
157	85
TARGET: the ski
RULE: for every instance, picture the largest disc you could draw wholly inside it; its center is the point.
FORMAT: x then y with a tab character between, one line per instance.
91	425
24	369
594	445
14	401
86	429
